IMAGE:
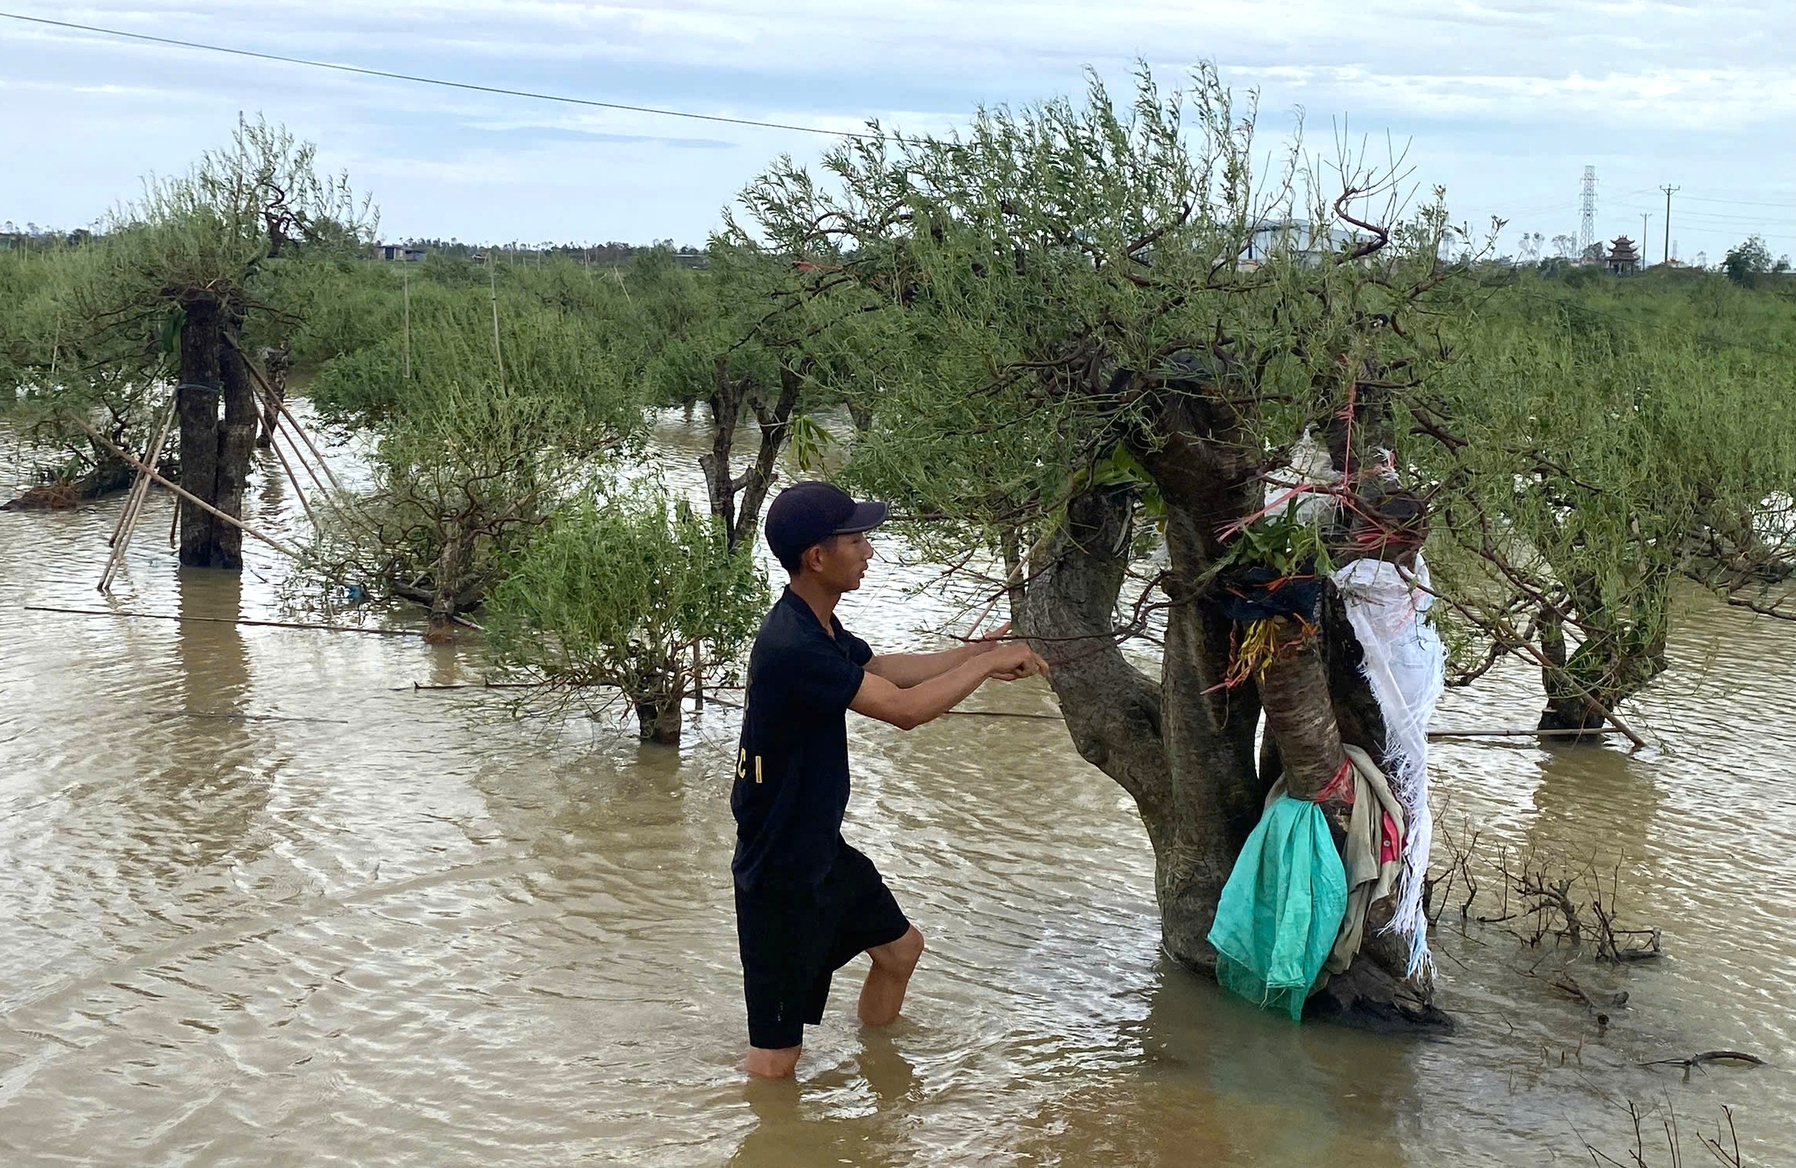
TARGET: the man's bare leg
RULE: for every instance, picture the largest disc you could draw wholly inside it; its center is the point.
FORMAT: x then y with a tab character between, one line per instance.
883	995
777	1063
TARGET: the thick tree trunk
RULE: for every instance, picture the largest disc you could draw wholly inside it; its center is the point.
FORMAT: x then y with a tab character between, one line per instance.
1184	747
658	713
1569	704
727	398
197	404
775	423
1186	756
1615	662
236	443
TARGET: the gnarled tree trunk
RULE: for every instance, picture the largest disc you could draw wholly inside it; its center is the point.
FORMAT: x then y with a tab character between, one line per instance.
656	699
1183	746
1607	669
728	398
1186	755
215	454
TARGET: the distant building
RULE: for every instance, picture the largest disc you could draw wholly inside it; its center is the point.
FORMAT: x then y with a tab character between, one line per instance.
1296	237
401	253
1622	259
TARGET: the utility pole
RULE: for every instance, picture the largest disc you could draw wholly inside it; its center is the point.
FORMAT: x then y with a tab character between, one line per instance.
1668	189
1644	216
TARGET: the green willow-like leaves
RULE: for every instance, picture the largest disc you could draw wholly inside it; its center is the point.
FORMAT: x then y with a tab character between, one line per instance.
1621	436
617	591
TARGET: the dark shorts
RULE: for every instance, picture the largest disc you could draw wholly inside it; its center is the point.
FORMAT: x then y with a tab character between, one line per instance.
793	938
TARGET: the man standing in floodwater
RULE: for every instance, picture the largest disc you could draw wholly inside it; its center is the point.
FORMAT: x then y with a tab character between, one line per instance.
806	902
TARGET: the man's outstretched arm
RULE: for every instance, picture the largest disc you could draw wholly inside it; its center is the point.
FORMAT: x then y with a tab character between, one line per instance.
905	670
907	708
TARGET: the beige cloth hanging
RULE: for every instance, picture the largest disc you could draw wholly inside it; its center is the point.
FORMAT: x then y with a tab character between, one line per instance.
1368	880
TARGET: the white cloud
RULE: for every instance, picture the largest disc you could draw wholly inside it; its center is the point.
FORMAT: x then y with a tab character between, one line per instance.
1503	100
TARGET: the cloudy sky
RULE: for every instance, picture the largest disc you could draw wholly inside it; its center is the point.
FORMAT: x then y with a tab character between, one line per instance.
1502	101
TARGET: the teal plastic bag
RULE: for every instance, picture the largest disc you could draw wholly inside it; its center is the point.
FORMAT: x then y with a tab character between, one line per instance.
1281	908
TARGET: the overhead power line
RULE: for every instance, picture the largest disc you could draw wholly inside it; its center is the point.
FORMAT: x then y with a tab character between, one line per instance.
439	81
1740	202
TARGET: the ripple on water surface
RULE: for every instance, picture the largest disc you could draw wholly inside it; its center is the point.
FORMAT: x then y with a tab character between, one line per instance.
258	905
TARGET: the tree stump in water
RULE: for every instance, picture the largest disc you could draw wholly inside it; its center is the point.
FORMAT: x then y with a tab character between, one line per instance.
1375	995
112	474
659	720
58	496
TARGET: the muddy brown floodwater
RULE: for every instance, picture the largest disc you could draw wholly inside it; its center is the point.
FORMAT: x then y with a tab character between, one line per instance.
262	903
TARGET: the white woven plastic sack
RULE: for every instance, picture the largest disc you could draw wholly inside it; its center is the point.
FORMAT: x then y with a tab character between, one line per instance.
1310	466
1406	668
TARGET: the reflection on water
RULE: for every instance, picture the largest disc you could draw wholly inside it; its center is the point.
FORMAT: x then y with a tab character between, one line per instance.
262	902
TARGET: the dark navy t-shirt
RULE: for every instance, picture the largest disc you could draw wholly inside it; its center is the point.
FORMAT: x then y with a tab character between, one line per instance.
792	767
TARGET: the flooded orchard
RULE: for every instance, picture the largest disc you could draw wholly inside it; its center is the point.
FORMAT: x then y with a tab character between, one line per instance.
264	902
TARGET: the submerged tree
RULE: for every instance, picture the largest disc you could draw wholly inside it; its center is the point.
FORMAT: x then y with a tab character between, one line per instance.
1608	450
59	376
749	336
617	592
482	424
177	283
1116	325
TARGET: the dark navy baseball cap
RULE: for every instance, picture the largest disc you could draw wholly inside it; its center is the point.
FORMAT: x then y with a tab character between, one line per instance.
805	514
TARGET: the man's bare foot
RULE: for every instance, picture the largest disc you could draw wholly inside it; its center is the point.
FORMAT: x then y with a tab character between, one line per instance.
763	1063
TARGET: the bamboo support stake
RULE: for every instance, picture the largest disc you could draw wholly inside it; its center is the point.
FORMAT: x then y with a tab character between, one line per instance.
133	509
299	489
306	438
272	422
140	486
208	508
281	406
312	474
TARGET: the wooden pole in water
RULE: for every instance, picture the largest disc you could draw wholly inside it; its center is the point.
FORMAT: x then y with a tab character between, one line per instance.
189	496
